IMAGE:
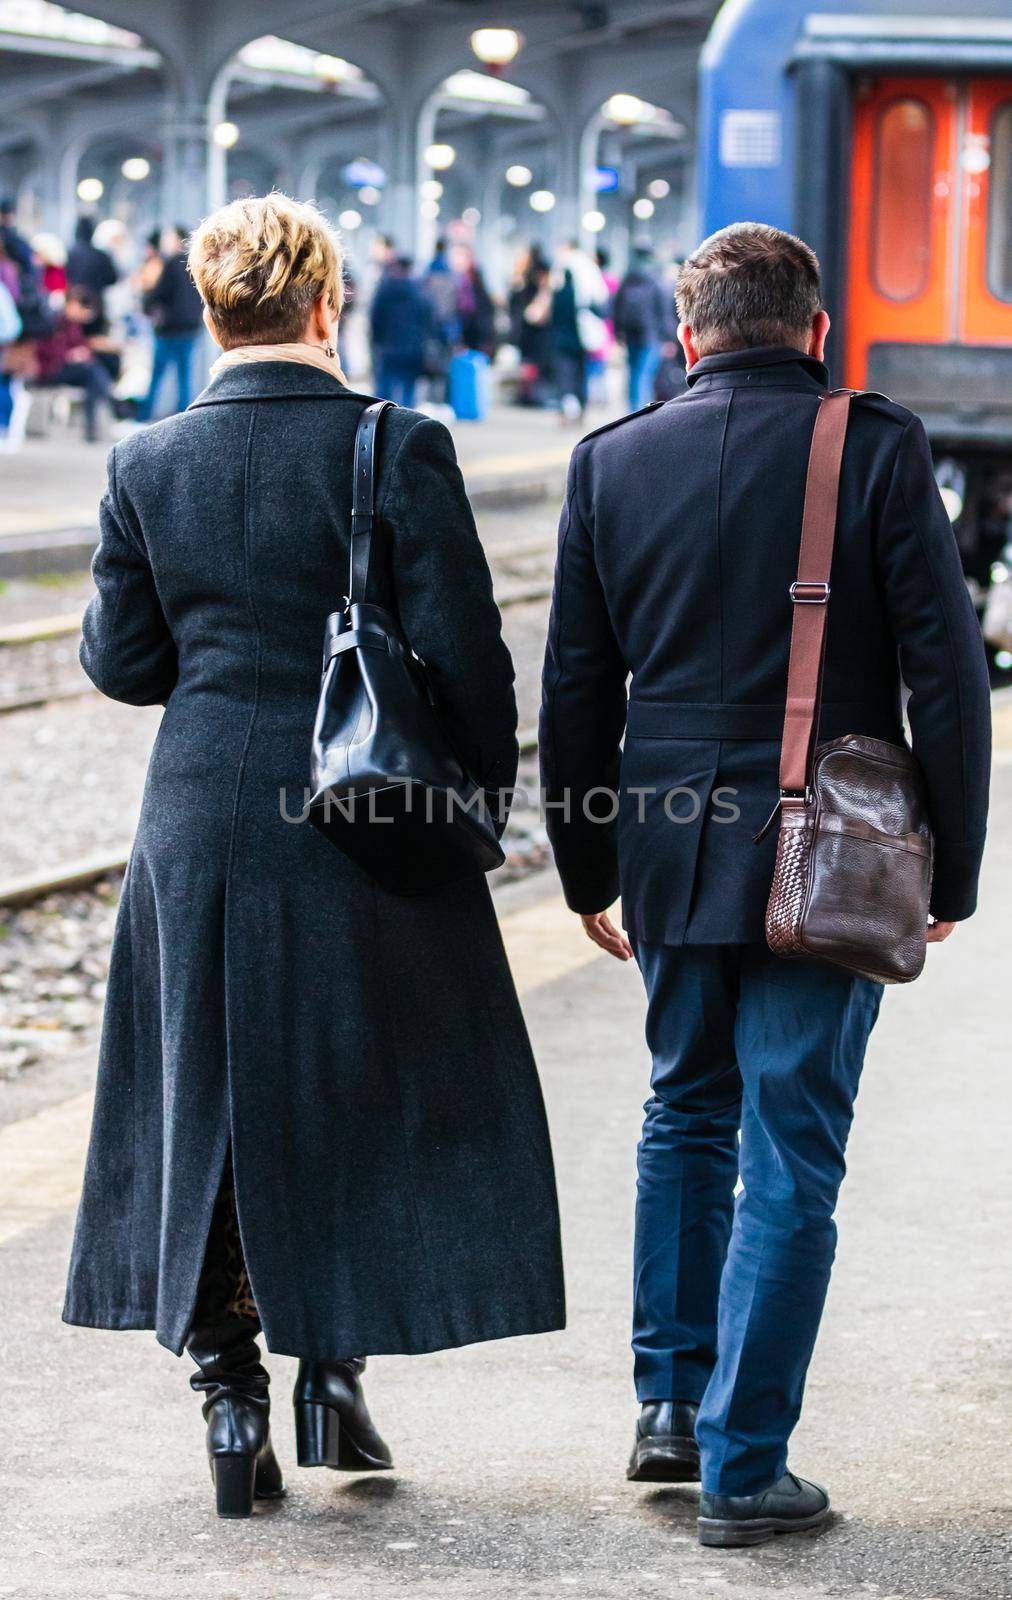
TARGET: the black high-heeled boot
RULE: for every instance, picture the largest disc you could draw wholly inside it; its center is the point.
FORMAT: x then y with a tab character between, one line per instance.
237	1411
333	1427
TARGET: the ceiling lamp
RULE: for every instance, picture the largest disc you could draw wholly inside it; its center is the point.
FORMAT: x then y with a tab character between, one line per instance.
429	209
519	176
90	189
593	221
643	209
625	109
332	69
350	220
135	168
496	47
440	156
226	134
431	189
542	200
659	188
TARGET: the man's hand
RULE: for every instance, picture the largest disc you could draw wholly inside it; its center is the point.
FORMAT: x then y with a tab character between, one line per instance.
603	931
937	931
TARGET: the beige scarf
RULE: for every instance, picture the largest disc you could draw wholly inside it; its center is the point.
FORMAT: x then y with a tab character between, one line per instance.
307	355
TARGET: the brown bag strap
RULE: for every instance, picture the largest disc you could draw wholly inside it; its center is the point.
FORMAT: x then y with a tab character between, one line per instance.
810	594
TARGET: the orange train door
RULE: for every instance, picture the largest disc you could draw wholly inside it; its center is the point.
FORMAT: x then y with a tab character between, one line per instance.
902	215
930	254
985	310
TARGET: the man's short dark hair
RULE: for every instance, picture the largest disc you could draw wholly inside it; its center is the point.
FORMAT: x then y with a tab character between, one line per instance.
749	285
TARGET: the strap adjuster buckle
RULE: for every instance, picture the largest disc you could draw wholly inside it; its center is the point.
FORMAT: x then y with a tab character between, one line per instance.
815	594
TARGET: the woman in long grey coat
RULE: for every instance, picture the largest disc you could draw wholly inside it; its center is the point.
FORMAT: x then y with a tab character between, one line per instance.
317	1110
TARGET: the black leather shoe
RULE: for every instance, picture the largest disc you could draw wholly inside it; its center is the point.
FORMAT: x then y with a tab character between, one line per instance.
665	1450
791	1506
236	1409
333	1427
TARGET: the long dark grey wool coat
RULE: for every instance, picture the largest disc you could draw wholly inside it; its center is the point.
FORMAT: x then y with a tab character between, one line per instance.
365	1053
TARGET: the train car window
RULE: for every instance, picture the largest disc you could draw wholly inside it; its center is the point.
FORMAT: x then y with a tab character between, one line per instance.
999	205
901	223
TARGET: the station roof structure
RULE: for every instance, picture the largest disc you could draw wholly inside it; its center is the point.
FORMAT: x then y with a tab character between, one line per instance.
293	83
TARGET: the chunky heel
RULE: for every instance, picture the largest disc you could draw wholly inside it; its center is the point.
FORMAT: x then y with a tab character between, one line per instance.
317	1435
234	1478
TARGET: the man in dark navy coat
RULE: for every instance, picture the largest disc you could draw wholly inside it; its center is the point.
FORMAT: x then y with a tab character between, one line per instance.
669	631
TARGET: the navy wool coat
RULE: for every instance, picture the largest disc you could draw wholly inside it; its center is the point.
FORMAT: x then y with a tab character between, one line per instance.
678	545
364	1053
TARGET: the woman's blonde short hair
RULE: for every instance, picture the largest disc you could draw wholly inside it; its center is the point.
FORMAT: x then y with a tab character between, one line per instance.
261	265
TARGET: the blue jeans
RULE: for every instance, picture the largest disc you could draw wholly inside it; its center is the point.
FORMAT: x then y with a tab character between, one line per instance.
171	350
728	1294
396	382
644	359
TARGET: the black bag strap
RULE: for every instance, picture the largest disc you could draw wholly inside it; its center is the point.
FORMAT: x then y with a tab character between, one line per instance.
363	499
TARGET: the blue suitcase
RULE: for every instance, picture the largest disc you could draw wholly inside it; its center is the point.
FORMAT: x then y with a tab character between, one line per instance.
469	385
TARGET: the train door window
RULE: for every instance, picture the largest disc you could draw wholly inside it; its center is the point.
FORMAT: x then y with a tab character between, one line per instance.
999	210
901	227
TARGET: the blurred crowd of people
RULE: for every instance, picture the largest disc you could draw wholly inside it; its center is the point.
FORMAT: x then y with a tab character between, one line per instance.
117	320
561	321
101	317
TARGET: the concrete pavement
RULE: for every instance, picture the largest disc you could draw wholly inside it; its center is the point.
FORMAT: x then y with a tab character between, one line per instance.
510	1457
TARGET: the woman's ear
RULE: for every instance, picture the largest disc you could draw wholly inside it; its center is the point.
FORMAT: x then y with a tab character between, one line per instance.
212	330
322	321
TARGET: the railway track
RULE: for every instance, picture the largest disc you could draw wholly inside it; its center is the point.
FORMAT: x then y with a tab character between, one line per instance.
20	634
85	873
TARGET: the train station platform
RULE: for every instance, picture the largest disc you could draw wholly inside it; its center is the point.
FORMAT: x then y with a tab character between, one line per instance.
510	1481
52	485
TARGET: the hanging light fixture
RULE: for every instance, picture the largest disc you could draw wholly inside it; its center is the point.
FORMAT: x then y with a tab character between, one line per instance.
136	168
643	209
593	221
431	189
625	109
440	156
226	134
496	47
659	188
332	69
90	189
542	200
519	176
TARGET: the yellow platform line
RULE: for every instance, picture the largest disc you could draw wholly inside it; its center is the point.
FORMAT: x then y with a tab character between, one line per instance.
1001	722
41	1163
42	1156
521	461
41	628
545	942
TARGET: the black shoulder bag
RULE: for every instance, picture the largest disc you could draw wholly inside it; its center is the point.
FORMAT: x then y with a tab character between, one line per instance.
388	787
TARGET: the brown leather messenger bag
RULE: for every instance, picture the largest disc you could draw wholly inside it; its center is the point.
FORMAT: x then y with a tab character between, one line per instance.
852	879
